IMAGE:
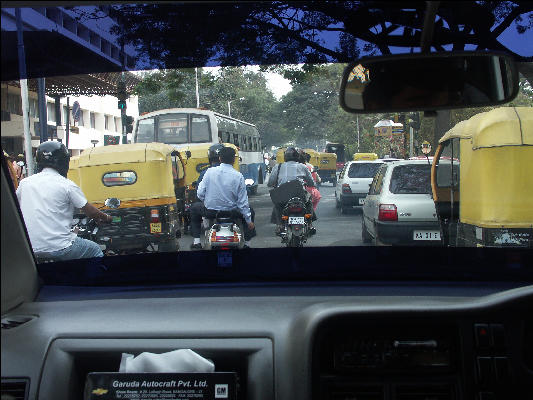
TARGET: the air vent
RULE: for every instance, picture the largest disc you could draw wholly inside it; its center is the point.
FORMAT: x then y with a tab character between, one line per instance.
358	392
14	389
425	392
13	321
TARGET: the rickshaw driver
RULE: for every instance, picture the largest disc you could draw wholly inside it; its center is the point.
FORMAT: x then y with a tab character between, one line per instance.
222	189
48	200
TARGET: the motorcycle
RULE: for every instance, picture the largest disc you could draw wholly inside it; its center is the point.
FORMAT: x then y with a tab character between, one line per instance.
87	228
223	232
296	223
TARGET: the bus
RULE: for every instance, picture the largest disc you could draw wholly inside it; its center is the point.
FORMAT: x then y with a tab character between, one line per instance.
186	128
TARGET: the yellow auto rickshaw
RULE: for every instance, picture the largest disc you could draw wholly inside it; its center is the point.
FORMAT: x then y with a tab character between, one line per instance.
482	180
327	169
145	178
365	156
195	160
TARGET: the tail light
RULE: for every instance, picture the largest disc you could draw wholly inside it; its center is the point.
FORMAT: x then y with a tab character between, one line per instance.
346	188
387	212
308	216
295	209
154	215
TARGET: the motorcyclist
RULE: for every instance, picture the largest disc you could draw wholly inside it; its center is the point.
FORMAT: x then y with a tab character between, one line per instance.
313	191
222	189
48	201
291	169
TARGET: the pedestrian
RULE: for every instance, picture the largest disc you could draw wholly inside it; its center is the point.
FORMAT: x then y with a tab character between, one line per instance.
48	201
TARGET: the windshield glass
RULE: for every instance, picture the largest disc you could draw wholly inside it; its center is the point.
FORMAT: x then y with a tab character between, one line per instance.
363	170
208	127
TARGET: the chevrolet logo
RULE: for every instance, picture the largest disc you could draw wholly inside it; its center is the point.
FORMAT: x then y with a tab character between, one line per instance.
99	391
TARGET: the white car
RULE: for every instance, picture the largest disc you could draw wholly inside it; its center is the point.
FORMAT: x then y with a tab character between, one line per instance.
399	207
354	182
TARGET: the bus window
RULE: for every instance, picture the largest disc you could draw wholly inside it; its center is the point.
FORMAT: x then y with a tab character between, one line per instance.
200	132
172	129
145	131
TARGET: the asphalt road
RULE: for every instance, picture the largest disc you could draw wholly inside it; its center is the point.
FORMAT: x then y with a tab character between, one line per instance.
333	228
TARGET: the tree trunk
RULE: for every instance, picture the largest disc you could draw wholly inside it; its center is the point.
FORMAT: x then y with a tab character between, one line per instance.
442	125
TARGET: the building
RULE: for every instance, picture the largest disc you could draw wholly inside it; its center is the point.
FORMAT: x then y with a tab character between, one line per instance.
100	117
74	37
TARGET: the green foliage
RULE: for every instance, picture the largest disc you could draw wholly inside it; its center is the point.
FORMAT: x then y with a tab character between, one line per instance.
309	115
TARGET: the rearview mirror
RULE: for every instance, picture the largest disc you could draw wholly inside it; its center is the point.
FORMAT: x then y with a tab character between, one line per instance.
417	82
188	154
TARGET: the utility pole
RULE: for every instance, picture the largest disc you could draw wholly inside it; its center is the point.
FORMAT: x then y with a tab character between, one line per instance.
67	123
41	100
24	95
358	133
122	88
411	141
197	93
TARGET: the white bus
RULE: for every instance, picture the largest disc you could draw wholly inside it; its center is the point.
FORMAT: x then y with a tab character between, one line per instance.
185	128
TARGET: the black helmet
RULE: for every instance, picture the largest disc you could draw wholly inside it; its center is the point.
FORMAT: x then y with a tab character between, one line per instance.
214	152
291	154
54	155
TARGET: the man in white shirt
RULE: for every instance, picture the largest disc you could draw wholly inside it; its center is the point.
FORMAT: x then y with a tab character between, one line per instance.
222	189
48	201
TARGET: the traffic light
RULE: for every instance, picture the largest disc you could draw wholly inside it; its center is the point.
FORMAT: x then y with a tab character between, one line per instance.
415	121
127	121
122	104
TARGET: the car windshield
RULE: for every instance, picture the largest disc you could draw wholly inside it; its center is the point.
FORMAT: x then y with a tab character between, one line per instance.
411	179
363	170
211	108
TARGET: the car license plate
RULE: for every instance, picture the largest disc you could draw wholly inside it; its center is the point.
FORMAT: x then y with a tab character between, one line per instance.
361	202
296	220
426	235
155	227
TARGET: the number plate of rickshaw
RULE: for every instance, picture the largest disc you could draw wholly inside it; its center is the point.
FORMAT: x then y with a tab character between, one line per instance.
426	235
155	227
296	220
117	219
361	202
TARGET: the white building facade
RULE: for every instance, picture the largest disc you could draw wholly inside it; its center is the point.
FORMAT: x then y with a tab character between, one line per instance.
99	117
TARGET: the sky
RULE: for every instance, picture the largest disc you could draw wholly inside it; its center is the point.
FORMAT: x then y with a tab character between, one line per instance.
276	83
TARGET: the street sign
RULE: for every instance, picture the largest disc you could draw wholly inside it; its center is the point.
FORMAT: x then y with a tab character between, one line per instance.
76	111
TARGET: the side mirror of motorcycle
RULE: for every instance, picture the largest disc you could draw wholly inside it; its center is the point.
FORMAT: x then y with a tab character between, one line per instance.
112	202
188	154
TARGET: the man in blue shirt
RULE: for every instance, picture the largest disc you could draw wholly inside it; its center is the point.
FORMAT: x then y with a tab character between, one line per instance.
222	189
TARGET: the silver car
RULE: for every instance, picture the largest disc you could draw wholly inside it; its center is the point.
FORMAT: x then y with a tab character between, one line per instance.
399	207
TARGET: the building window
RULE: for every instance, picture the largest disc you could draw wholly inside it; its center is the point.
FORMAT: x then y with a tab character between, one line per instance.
34	108
117	123
93	120
106	122
81	122
14	104
50	112
65	115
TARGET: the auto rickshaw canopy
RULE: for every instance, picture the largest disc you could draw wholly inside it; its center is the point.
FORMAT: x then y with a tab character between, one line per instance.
504	126
139	174
496	168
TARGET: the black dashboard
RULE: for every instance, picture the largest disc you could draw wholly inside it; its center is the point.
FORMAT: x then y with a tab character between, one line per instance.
362	341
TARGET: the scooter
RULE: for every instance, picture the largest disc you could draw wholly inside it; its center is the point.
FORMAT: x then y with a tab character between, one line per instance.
223	232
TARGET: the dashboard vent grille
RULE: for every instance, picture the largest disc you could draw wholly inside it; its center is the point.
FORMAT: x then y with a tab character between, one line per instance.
358	392
425	392
14	321
14	389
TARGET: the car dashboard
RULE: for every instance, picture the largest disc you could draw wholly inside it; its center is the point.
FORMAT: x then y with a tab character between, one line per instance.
350	340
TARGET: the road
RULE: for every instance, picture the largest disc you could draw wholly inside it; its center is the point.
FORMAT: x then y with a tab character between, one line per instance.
333	228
